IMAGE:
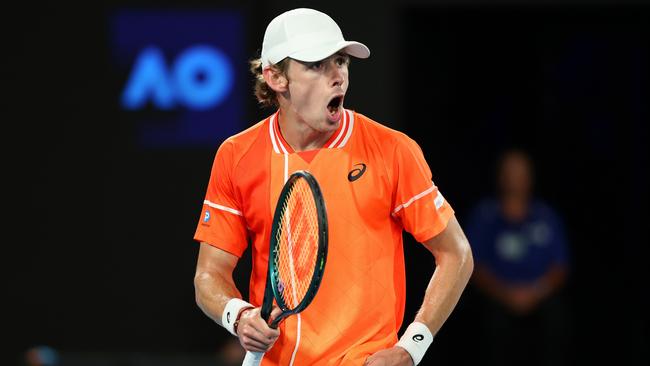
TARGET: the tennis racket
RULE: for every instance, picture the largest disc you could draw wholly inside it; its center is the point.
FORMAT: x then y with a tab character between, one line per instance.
298	251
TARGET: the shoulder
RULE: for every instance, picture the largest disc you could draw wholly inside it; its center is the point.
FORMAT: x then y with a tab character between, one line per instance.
247	136
383	135
238	145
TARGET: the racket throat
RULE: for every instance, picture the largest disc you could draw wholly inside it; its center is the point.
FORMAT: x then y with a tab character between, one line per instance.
276	322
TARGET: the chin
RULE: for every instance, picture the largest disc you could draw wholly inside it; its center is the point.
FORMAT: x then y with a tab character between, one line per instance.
330	126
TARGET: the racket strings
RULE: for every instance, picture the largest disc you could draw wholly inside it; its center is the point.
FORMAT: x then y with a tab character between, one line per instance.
297	249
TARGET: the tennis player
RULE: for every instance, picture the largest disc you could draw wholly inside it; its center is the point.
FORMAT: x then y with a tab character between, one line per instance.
375	182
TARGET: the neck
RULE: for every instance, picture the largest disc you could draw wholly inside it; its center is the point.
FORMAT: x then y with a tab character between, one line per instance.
514	206
299	135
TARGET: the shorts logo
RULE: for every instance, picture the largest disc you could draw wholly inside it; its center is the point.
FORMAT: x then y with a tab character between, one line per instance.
356	173
206	218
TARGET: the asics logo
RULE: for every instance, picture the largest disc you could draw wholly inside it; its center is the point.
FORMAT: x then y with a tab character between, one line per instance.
356	173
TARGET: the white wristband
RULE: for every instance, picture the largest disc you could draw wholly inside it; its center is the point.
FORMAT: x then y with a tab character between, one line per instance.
230	313
416	340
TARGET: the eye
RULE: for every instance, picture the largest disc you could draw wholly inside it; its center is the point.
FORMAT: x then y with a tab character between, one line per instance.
316	65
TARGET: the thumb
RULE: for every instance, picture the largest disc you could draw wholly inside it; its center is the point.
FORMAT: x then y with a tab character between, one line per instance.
369	361
274	313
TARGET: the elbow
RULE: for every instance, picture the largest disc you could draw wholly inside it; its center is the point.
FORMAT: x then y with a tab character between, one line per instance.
200	278
468	260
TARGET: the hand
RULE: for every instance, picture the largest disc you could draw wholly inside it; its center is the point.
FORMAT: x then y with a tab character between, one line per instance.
254	333
395	356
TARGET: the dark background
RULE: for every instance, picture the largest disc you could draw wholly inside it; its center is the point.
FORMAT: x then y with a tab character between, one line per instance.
100	257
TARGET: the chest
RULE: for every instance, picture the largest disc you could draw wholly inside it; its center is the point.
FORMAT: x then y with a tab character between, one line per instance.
355	187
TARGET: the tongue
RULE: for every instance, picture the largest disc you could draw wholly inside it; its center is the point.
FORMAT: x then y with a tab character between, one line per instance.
334	114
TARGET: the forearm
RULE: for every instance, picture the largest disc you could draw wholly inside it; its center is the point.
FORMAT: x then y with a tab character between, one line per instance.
213	290
453	270
213	283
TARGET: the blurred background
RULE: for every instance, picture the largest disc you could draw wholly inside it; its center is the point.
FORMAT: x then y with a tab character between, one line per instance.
115	110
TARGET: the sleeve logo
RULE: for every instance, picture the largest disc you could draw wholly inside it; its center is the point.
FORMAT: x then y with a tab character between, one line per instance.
206	217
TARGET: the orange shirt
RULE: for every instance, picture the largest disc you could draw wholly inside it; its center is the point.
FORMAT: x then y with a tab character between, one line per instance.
375	183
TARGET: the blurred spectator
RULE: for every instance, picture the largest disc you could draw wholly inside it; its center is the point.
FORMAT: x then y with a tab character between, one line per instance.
520	251
231	353
41	356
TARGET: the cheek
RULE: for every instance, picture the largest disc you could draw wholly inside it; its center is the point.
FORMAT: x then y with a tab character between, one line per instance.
304	97
346	81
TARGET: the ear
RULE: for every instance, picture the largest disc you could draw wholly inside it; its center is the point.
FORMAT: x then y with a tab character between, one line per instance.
275	80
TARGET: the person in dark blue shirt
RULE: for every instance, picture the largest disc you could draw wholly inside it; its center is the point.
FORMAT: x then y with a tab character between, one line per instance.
520	250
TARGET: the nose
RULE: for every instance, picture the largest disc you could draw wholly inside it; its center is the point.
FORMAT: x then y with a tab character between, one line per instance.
336	74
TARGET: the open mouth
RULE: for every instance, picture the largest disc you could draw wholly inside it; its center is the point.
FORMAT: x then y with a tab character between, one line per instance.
334	104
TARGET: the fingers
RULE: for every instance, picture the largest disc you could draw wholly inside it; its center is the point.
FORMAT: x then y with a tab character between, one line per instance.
274	313
370	360
254	333
252	345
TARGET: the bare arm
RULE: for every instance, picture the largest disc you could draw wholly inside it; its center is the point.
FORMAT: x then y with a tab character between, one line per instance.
214	287
213	282
454	266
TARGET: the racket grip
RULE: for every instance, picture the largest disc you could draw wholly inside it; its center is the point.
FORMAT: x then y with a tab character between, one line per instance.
253	358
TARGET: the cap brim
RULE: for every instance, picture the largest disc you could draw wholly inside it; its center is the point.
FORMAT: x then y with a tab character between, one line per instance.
352	48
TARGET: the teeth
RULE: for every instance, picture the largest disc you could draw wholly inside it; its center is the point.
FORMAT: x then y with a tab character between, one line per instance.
334	106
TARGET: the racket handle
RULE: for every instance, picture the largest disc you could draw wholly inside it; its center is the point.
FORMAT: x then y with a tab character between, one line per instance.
253	358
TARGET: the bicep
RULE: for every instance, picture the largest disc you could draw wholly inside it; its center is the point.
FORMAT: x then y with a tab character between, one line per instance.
451	240
214	260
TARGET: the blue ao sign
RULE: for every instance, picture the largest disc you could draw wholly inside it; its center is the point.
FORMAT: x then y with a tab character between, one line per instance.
182	73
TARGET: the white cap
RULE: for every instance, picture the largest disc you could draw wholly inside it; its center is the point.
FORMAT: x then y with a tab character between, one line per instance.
306	35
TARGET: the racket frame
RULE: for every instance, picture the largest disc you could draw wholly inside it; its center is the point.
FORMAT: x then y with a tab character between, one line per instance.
271	291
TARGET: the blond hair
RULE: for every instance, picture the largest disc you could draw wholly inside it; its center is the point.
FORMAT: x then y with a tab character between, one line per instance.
263	92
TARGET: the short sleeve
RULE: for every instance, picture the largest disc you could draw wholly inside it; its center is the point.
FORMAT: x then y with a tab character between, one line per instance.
417	202
221	223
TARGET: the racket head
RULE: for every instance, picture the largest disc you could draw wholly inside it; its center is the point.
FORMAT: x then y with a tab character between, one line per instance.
298	245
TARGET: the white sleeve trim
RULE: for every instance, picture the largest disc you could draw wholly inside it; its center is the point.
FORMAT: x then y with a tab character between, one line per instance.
222	208
438	200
